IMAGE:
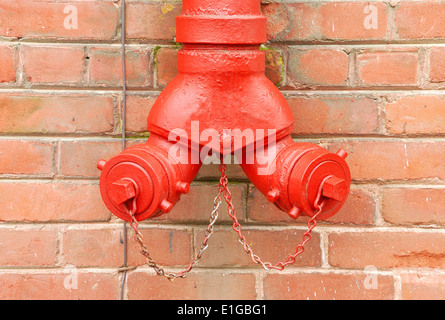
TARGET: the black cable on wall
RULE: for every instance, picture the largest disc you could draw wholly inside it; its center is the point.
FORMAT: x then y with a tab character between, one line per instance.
123	128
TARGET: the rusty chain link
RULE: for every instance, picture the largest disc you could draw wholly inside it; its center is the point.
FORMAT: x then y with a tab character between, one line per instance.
152	263
224	191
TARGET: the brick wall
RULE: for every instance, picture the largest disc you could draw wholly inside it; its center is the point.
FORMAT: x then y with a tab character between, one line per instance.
367	76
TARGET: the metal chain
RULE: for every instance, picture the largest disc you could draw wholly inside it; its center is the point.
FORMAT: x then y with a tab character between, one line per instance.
152	263
222	190
312	223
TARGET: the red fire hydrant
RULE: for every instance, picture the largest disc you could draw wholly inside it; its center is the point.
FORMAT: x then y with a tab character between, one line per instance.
220	104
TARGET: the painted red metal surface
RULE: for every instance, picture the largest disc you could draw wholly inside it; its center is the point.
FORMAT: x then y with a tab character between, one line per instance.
221	87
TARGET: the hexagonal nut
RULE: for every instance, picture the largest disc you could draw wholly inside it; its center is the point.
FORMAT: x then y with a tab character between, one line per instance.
335	188
122	191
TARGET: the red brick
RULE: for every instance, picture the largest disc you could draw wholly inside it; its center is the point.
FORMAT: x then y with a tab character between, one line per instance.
325	21
346	20
138	108
416	115
104	247
45	20
393	159
152	21
211	171
420	19
26	157
358	209
166	65
418	286
327	286
414	206
27	247
106	67
277	15
437	64
271	245
387	249
334	115
57	65
216	285
7	64
51	286
51	202
291	21
275	68
197	205
321	67
168	247
42	113
383	68
79	158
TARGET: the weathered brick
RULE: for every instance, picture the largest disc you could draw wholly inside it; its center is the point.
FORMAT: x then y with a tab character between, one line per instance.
46	19
271	245
105	247
56	65
334	115
387	160
168	247
326	21
137	110
197	205
166	65
197	286
383	249
56	113
51	202
387	67
423	286
353	20
7	64
420	19
422	114
278	20
319	67
79	158
67	284
437	64
106	67
27	247
26	157
328	286
152	21
413	206
275	66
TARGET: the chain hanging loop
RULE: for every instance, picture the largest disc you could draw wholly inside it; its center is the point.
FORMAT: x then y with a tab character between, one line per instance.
144	250
312	223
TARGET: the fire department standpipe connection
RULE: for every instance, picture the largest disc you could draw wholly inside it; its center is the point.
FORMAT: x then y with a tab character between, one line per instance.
221	88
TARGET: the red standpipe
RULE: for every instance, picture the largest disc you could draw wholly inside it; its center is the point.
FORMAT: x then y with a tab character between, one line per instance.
221	88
